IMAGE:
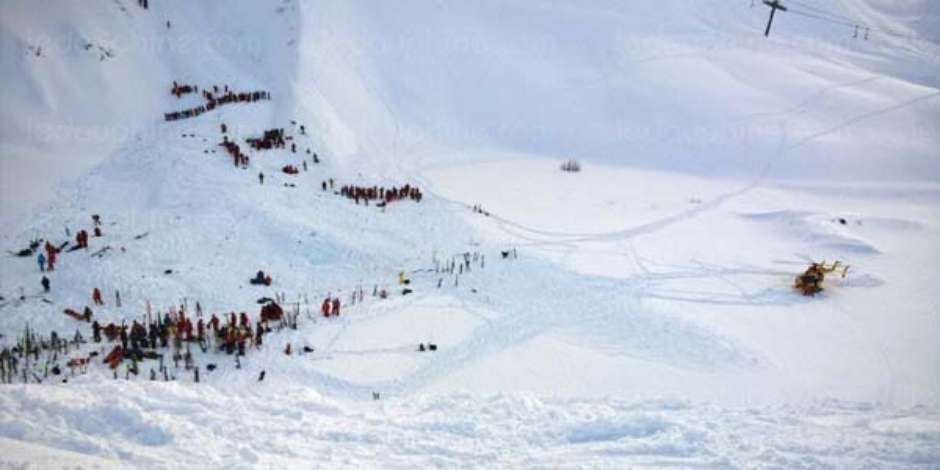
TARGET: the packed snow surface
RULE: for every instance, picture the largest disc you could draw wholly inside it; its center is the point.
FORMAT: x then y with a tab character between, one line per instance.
637	313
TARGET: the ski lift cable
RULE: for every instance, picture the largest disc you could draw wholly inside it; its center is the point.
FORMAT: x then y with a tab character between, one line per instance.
839	16
860	26
822	18
843	20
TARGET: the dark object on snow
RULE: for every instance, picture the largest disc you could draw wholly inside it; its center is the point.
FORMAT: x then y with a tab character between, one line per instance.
134	354
33	248
376	396
78	316
261	376
261	279
421	347
571	166
114	357
265	300
505	254
271	312
100	253
842	221
168	271
25	252
153	355
308	349
432	346
56	370
406	291
210	367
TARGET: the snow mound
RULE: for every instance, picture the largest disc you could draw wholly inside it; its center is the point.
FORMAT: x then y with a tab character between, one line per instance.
455	430
818	232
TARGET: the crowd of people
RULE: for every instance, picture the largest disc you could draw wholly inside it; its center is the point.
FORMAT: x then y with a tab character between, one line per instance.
232	334
381	194
23	359
238	157
180	90
176	333
272	138
146	338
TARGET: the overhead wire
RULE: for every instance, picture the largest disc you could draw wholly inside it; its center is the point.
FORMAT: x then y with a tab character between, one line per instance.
821	11
803	9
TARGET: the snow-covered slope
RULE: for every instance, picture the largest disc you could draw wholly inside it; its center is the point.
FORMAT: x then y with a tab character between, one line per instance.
649	316
673	86
83	81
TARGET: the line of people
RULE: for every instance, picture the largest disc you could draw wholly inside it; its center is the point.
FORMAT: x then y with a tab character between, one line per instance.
477	208
457	265
238	157
381	194
229	97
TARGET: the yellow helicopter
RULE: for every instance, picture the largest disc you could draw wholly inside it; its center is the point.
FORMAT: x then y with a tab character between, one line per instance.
810	282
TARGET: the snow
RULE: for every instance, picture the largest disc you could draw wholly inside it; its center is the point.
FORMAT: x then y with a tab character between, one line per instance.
649	317
301	428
